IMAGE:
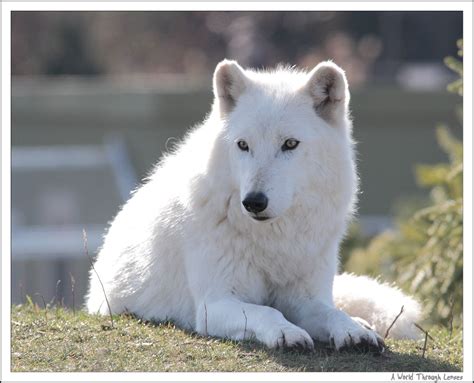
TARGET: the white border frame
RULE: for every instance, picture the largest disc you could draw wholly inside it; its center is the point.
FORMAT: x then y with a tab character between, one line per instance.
8	7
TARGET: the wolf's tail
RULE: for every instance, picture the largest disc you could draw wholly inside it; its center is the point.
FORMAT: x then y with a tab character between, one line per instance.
379	304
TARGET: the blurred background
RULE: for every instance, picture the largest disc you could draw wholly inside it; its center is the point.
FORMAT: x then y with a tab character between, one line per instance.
97	97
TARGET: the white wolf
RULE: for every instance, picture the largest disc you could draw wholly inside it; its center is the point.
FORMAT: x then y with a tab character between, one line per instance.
236	233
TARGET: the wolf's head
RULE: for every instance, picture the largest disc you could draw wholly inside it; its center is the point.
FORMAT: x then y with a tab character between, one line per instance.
289	137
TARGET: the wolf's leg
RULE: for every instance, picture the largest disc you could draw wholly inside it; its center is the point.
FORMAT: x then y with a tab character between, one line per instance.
309	304
329	324
234	319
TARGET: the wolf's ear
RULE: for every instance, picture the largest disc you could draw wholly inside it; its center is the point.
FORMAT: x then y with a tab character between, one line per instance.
229	83
327	86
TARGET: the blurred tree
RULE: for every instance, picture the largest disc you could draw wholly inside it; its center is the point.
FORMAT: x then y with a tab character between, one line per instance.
73	58
425	252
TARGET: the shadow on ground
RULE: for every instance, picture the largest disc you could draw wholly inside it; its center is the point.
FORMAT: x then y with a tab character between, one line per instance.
326	359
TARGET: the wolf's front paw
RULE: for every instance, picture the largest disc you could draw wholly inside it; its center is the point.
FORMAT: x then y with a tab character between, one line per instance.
354	333
288	336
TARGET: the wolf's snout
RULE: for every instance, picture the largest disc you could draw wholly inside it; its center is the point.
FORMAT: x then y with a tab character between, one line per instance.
255	202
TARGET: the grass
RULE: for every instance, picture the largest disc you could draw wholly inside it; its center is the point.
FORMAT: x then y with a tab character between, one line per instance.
59	340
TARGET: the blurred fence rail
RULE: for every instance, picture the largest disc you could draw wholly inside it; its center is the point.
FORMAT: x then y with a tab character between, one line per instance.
394	129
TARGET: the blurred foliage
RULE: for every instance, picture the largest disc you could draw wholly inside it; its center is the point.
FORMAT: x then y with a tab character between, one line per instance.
192	42
456	65
424	253
354	239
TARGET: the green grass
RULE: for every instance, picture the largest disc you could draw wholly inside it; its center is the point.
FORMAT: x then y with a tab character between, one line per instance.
58	340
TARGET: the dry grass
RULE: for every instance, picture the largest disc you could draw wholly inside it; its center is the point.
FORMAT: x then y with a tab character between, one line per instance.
61	340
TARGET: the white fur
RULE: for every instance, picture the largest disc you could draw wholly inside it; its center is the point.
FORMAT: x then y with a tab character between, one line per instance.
184	248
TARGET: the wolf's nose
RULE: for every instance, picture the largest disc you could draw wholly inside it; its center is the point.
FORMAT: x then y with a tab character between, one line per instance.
255	202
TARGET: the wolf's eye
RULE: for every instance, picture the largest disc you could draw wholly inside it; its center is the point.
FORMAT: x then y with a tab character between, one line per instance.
290	144
243	145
